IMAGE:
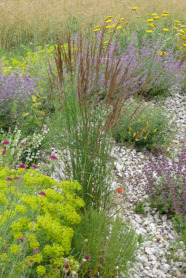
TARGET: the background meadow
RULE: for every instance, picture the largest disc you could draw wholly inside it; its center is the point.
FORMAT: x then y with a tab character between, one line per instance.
38	22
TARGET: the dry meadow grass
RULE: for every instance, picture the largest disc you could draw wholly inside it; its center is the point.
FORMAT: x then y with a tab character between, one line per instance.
32	19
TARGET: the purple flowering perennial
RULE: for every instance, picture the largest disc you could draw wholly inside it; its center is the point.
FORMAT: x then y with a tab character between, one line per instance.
15	87
166	179
161	72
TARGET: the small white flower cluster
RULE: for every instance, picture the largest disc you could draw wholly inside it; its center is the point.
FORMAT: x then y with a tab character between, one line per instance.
30	151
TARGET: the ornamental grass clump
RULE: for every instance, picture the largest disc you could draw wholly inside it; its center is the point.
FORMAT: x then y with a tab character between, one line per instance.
166	183
103	245
92	84
142	126
37	216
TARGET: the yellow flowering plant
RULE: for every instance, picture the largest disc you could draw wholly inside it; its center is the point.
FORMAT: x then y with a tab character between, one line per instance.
143	127
37	215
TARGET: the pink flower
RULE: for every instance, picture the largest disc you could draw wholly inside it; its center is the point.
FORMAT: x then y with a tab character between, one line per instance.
35	251
3	152
42	193
87	258
53	266
53	157
23	144
20	239
34	166
22	166
31	261
67	266
16	178
6	142
8	179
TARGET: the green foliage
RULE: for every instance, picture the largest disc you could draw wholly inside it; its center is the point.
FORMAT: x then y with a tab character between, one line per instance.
91	236
36	227
183	235
139	208
180	243
108	243
119	250
142	127
140	239
178	223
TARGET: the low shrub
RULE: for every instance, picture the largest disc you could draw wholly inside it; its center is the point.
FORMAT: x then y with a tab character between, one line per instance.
142	126
37	215
103	245
166	184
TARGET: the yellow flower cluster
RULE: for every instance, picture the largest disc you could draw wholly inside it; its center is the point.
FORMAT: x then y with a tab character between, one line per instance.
38	215
141	130
162	53
150	22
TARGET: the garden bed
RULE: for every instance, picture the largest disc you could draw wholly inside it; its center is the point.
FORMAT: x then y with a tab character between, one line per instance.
92	146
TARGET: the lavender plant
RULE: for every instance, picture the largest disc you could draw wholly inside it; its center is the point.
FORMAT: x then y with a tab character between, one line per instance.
166	183
16	90
163	67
